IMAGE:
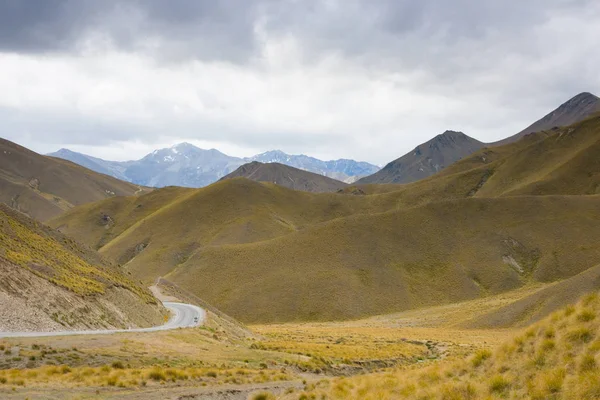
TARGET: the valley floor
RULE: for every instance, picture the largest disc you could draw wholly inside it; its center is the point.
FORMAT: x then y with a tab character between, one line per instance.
218	362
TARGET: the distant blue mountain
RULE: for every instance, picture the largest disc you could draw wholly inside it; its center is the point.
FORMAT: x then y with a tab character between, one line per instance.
187	165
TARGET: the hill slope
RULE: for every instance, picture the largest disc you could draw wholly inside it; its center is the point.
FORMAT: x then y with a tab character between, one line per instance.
426	159
49	282
286	176
44	187
574	110
111	168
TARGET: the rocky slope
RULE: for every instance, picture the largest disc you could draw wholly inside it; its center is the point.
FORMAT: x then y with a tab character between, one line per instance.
426	159
574	110
49	282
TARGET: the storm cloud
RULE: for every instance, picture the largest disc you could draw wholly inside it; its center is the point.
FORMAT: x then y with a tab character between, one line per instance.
354	78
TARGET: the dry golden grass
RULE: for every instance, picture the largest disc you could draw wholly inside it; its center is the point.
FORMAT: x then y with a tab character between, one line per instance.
554	359
117	375
24	243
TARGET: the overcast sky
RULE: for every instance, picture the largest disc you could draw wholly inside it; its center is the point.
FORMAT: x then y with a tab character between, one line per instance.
362	79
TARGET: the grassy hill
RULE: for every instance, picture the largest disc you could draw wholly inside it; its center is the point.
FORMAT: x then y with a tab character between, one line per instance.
498	220
44	187
49	282
370	264
289	177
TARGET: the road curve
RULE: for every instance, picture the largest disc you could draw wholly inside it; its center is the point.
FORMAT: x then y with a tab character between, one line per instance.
183	316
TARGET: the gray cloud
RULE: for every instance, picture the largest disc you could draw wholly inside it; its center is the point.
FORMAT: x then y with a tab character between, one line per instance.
205	29
342	76
202	29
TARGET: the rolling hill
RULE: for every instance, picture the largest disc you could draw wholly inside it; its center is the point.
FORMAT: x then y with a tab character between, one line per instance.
44	187
574	110
289	177
50	282
497	220
426	159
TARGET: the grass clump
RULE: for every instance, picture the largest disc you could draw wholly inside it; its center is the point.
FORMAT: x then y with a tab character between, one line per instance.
480	357
157	374
499	384
263	396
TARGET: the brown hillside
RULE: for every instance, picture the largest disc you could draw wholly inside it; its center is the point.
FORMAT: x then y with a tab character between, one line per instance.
371	264
49	282
574	110
44	187
426	159
286	176
540	304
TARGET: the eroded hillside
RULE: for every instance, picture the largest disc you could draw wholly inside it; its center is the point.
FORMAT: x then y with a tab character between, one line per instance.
49	282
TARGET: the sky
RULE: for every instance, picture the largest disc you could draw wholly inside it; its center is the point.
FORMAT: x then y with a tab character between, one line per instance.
361	79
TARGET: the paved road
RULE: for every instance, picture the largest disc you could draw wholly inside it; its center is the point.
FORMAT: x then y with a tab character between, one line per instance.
184	316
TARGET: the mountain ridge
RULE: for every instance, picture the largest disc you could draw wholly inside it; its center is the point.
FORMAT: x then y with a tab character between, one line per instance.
426	159
422	162
573	110
189	166
44	187
287	176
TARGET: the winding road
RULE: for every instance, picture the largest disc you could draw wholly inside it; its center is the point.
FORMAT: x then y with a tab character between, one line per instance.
184	316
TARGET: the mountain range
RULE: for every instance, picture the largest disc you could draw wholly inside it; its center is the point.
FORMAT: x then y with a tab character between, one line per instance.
449	147
189	166
497	220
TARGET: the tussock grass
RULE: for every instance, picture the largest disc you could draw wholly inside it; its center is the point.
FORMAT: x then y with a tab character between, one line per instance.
569	345
64	376
26	244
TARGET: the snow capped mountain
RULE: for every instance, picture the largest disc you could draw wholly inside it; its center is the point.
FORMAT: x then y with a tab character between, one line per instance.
187	165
